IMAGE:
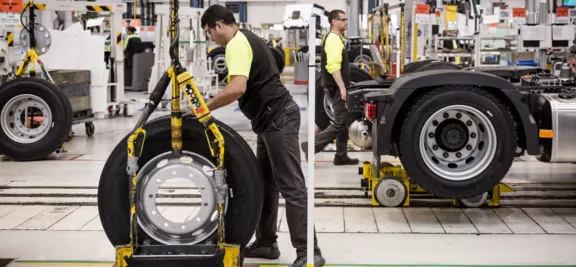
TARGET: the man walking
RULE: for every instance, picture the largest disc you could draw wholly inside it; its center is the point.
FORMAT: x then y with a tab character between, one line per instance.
335	73
254	80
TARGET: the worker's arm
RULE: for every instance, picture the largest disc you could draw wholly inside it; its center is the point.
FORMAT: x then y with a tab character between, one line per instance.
333	49
239	62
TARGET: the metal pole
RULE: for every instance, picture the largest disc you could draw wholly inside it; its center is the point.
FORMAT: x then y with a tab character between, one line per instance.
353	19
311	127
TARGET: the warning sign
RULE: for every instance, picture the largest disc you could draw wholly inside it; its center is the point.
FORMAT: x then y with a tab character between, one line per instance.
11	6
519	15
562	15
9	21
422	14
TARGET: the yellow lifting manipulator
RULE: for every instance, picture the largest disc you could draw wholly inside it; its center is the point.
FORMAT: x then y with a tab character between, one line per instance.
31	56
181	80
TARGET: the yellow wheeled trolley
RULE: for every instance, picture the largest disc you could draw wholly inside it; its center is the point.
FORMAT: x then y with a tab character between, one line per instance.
394	188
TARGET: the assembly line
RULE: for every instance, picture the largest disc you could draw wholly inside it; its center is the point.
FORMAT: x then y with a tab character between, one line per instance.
365	133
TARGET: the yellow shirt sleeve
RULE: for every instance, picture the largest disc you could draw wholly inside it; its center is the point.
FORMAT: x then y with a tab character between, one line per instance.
333	48
239	56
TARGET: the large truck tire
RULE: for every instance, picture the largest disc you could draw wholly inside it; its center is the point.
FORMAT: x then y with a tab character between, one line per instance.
24	138
408	68
218	56
324	112
244	181
464	142
436	65
279	57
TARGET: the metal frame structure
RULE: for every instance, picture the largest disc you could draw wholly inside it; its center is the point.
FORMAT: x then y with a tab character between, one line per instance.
161	53
115	10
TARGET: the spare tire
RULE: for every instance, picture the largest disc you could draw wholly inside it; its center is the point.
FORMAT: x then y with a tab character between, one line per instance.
218	56
324	112
279	56
52	118
244	180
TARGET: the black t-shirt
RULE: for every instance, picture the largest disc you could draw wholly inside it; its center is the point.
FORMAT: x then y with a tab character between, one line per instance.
265	96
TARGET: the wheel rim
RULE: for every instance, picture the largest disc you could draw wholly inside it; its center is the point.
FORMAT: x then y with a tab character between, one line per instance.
23	111
458	142
363	62
328	108
163	168
219	64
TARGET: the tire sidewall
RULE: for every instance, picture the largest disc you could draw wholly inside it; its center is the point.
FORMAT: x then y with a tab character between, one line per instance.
61	113
498	166
243	211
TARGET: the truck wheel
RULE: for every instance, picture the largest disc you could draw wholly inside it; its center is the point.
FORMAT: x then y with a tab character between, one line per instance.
35	118
244	181
324	110
218	56
465	142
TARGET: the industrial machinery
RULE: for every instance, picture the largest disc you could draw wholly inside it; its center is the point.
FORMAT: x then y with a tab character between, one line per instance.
457	132
195	45
194	147
35	115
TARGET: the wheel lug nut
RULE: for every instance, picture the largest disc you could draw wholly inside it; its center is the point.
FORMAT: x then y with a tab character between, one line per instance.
469	123
469	147
458	154
458	115
435	147
446	115
435	123
431	135
473	135
445	154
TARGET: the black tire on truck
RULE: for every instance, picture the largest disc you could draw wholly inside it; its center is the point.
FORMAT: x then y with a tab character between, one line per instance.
279	57
436	65
408	68
219	62
324	113
244	180
469	126
17	141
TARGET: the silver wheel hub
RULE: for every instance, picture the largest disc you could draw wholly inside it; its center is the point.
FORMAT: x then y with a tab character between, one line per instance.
328	108
363	62
390	192
197	171
26	118
458	142
220	64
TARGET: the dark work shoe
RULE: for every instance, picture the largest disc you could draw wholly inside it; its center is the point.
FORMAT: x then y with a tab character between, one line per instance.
319	261
255	250
345	160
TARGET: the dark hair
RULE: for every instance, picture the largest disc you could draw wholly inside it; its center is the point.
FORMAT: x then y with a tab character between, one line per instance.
131	29
334	15
217	13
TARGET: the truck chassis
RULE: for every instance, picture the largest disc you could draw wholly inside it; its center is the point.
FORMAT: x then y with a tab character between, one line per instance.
457	132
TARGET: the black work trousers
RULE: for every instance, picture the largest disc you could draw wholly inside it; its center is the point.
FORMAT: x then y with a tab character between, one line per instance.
278	154
338	129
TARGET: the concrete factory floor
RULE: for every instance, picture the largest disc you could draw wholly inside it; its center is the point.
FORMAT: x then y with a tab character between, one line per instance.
66	231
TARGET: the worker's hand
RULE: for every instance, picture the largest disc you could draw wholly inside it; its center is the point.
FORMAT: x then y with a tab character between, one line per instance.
343	93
